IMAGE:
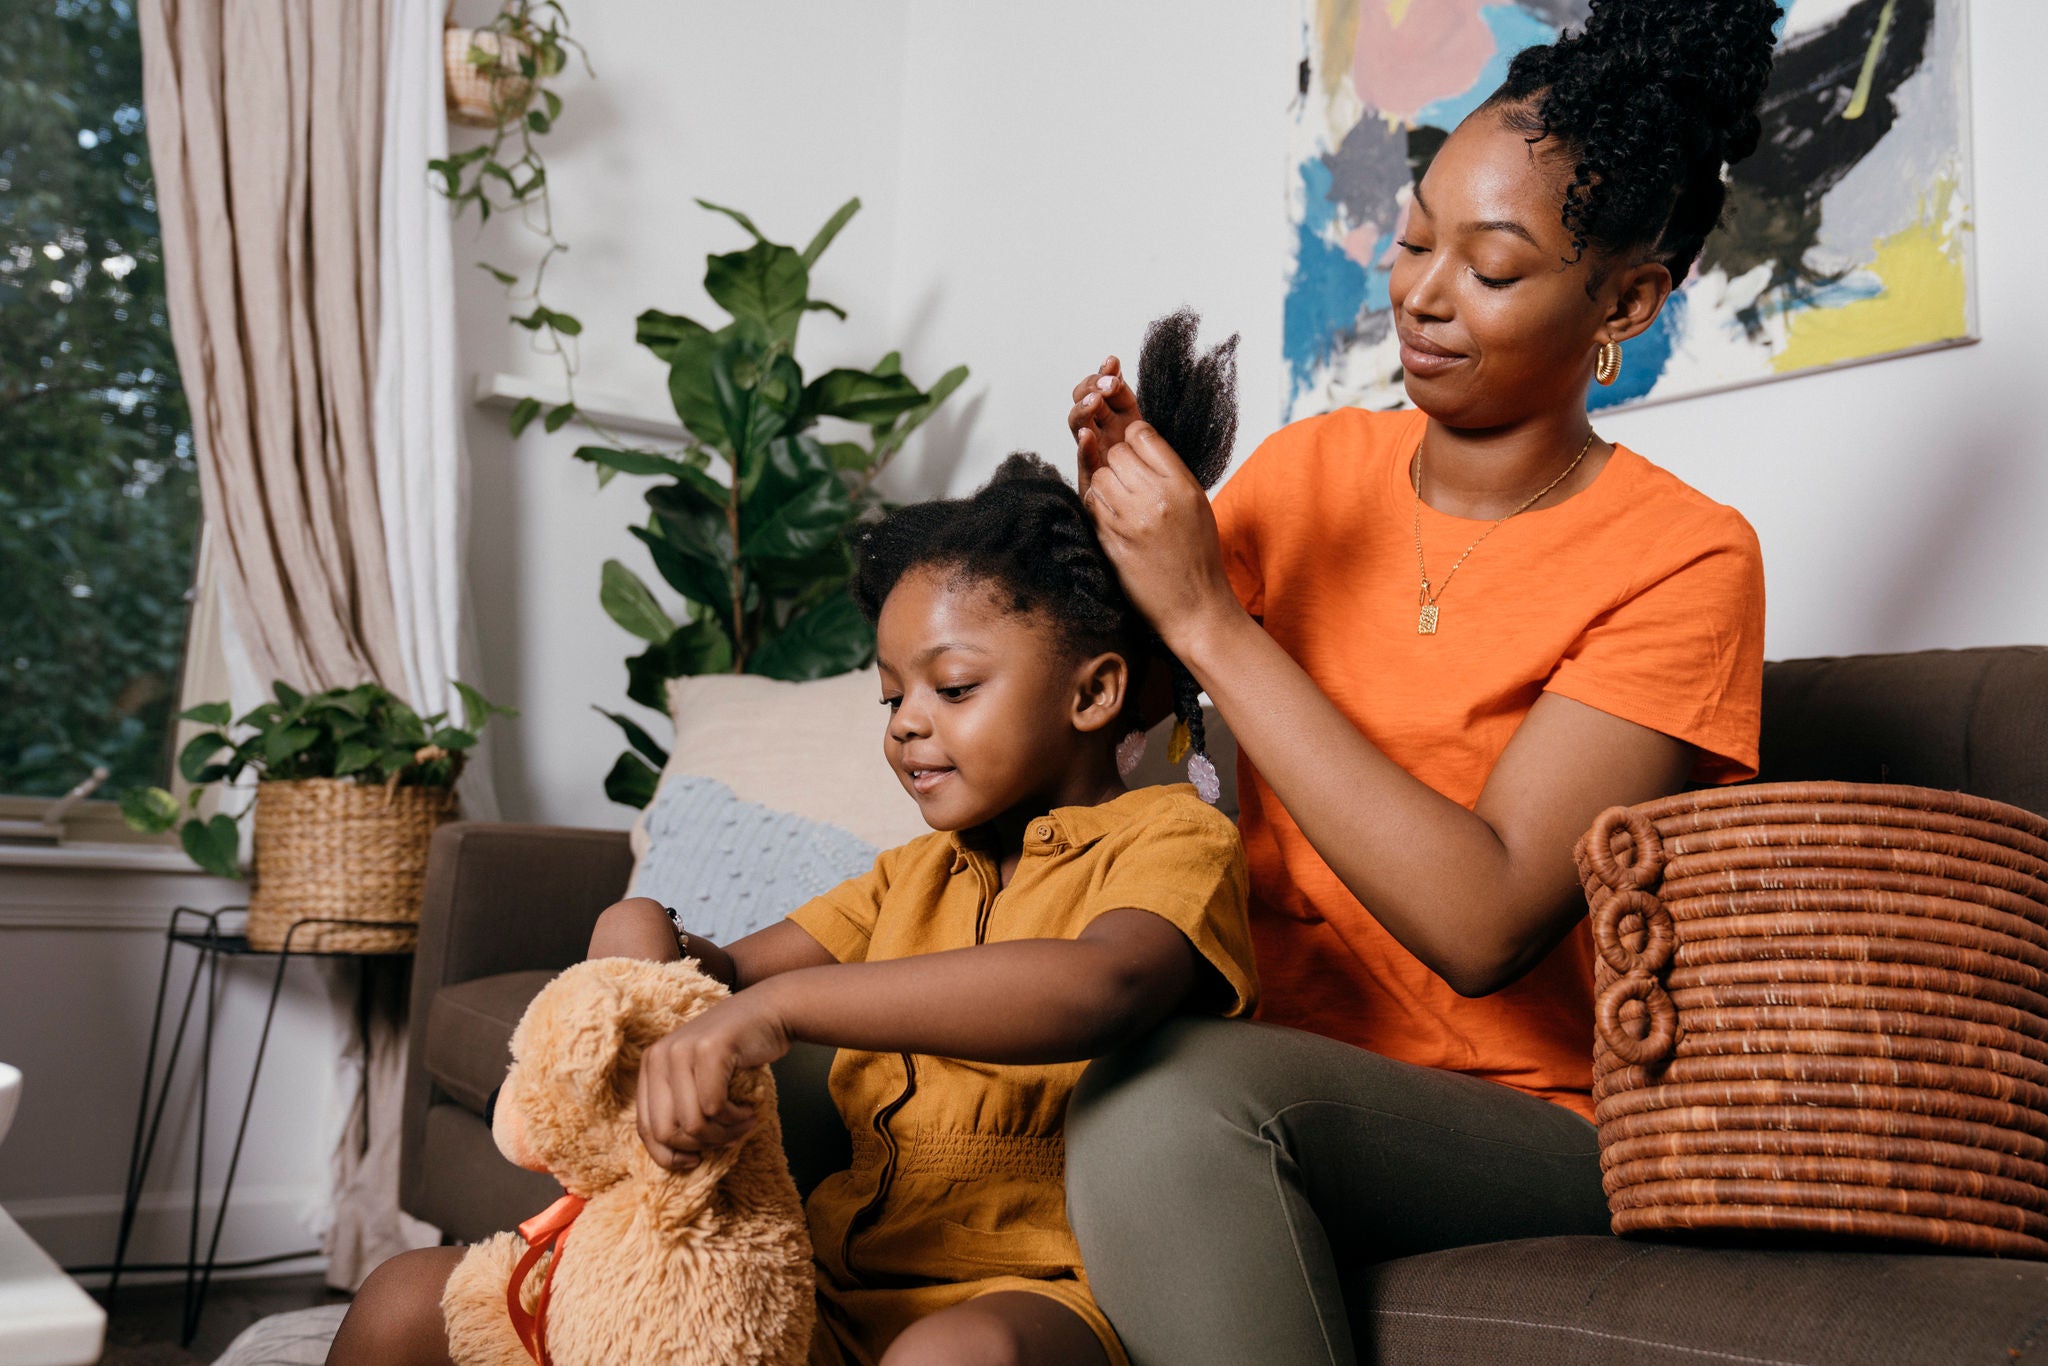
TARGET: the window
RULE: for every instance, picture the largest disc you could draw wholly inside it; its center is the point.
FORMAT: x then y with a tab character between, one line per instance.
99	494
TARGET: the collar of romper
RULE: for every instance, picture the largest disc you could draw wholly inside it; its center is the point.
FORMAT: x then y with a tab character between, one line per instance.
548	1229
1068	827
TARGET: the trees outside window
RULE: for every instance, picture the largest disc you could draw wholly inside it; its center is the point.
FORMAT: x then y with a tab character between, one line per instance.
99	494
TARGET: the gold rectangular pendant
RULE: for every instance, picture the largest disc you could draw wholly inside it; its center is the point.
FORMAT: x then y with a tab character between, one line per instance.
1426	625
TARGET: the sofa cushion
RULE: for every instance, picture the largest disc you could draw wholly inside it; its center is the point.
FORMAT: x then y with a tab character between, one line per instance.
1590	1300
469	1033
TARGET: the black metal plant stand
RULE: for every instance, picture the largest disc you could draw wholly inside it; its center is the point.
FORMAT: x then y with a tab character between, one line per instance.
210	944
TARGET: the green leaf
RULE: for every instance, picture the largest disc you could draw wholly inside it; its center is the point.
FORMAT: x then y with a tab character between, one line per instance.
288	695
537	121
694	577
149	809
280	745
637	737
816	518
353	757
523	414
689	356
564	323
559	416
503	277
658	331
849	455
789	465
891	364
553	103
214	845
649	462
736	216
476	711
893	441
198	753
448	737
821	306
860	396
765	284
627	601
631	782
831	638
702	647
831	229
209	714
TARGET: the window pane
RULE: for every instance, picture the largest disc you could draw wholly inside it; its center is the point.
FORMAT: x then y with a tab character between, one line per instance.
99	497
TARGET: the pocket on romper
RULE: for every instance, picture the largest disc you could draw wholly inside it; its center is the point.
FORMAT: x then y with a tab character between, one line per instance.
1029	1250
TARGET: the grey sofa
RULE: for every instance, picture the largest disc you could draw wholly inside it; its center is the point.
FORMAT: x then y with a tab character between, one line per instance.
507	906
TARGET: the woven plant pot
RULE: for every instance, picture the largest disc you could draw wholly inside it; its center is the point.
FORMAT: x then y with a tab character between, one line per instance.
333	848
475	99
1822	1010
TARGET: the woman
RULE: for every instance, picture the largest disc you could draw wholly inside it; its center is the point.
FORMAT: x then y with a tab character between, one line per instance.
1445	641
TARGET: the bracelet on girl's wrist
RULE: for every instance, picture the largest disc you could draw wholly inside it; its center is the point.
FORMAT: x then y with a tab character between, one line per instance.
675	922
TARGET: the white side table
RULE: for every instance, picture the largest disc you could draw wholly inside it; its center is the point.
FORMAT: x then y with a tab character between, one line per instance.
45	1319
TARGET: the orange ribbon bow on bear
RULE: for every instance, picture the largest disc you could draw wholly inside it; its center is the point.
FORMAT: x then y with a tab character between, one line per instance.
548	1229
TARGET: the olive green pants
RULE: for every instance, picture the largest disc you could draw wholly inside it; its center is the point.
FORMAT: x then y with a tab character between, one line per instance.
1224	1177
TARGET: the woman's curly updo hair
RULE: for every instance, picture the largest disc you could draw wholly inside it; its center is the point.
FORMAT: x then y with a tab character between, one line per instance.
1027	537
1651	99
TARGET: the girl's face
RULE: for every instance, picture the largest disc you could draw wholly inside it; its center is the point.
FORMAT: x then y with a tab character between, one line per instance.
989	713
1494	326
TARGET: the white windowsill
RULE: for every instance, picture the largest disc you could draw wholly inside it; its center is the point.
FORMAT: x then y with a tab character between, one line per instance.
83	855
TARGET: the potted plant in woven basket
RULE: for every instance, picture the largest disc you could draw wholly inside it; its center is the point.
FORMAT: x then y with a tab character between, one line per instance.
351	784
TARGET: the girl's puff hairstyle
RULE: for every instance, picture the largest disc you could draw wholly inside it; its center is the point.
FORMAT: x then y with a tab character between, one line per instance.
1648	101
1027	536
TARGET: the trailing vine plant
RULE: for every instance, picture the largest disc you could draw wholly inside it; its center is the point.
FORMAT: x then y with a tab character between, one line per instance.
525	45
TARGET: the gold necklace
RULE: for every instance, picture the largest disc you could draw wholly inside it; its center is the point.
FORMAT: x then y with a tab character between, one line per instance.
1425	624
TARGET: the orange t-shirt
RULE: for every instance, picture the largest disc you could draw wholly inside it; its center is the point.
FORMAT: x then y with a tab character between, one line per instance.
1637	595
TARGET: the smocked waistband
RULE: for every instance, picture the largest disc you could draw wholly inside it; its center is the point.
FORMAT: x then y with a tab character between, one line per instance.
956	1155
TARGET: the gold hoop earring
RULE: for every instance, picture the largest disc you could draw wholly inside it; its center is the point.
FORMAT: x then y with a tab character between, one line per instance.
1607	365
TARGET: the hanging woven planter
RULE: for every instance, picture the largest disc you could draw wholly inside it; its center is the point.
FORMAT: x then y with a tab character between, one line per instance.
1822	1009
476	97
333	848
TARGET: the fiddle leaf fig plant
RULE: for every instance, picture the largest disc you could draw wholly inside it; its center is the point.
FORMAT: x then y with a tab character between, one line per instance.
364	733
751	523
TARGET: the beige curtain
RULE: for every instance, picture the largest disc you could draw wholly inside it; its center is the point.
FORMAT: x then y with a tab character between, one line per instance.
264	121
265	126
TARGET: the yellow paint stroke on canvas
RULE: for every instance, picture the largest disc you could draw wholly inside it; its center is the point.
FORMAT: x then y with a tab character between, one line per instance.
1397	10
1923	299
1337	32
1859	99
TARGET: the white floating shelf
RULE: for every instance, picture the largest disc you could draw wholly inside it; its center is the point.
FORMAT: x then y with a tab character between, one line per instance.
616	411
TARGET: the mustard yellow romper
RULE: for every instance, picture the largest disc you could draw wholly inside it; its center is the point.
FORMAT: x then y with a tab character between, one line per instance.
957	1187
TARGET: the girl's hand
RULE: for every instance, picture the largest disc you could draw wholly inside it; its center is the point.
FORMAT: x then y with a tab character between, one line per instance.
1159	531
684	1103
1104	408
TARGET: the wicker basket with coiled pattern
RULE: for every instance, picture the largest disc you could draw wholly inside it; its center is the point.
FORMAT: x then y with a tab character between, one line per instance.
1822	1009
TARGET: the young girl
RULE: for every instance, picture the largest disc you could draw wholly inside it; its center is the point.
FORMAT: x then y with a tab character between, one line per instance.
967	978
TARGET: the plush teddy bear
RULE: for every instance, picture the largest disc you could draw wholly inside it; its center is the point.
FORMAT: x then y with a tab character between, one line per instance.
636	1265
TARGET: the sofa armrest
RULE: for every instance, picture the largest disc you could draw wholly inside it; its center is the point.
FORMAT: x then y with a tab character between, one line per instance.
499	898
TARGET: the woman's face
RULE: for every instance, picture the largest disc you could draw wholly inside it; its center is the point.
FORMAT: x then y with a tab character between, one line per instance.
1495	327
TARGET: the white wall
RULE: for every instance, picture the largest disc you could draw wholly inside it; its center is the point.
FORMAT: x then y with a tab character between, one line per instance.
1041	181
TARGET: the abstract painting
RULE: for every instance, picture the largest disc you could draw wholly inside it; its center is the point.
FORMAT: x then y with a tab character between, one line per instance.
1847	237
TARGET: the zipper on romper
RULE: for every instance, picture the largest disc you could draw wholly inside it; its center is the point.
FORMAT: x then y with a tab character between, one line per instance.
861	1216
890	1151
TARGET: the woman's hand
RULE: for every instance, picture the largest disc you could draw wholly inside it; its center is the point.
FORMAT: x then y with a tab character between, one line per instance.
684	1105
1158	530
1104	408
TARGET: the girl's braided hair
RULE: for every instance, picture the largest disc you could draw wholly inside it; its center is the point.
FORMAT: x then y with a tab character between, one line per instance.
1650	100
1026	534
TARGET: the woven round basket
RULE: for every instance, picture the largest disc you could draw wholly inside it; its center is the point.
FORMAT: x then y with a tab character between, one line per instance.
336	849
1822	1010
475	99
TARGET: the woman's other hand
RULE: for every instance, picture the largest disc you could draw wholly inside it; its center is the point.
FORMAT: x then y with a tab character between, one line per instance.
1158	530
1104	408
684	1105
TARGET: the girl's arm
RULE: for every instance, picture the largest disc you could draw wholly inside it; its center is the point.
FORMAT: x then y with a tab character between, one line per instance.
639	927
1027	1001
1480	895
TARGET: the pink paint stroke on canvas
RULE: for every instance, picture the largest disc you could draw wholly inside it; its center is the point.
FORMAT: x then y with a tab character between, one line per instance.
1412	53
